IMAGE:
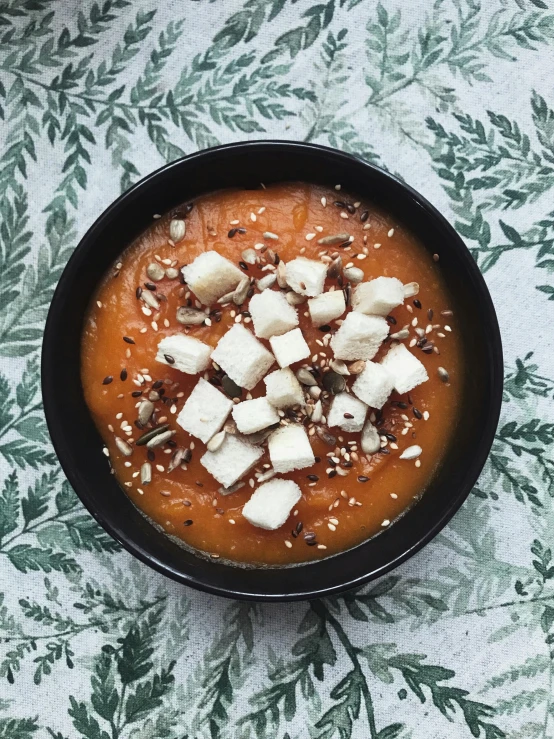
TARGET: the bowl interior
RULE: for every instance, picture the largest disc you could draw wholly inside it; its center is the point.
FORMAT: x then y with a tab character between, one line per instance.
78	444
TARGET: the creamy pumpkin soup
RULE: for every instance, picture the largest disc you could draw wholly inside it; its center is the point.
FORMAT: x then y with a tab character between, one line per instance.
276	373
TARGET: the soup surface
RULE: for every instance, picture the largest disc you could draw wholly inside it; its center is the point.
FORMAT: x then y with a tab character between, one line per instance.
347	496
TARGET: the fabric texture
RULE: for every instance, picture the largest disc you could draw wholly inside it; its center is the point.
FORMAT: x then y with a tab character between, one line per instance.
454	96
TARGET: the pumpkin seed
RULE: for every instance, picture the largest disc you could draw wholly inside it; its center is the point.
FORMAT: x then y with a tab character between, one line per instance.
216	441
370	441
148	435
305	377
338	366
239	296
160	439
231	388
155	272
145	410
146	473
335	239
123	447
357	367
354	274
326	436
190	316
411	289
150	300
334	383
266	282
412	452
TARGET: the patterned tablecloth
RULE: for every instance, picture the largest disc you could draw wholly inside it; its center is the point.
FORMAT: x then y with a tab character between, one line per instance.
457	98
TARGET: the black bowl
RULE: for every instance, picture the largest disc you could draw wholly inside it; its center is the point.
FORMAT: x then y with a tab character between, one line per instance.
78	443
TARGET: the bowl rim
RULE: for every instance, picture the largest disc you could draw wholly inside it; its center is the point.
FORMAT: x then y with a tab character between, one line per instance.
494	369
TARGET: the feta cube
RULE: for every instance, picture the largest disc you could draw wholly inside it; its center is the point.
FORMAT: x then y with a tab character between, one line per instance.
359	336
326	307
283	389
242	356
290	449
306	276
270	505
271	313
378	297
189	355
254	415
374	385
232	460
290	347
210	276
343	406
406	369
205	411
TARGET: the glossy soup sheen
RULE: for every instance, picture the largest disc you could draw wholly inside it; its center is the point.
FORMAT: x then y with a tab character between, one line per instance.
361	508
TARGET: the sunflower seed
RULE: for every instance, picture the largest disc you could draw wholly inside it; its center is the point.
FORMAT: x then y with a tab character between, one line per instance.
160	439
334	268
326	436
353	274
239	296
268	281
146	473
249	256
443	374
281	275
150	300
399	335
190	316
177	458
123	447
155	272
145	410
295	299
171	273
338	366
356	367
231	489
335	239
146	437
177	230
317	413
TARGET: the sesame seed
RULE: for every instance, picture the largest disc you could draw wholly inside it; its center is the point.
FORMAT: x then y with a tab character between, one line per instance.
253	217
386	522
418	463
376	246
447	328
324	202
331	527
390	233
338	187
288	544
310	236
321	546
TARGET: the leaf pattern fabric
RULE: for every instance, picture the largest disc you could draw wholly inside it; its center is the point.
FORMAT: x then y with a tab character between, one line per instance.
453	96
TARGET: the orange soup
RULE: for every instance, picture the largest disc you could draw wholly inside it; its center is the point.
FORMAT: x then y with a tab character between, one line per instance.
319	253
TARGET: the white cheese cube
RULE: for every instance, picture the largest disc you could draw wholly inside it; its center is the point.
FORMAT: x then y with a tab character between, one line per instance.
342	408
378	297
374	385
254	415
283	389
242	356
306	276
290	347
326	307
210	276
189	355
232	460
271	504
359	336
205	411
406	369
290	449
271	313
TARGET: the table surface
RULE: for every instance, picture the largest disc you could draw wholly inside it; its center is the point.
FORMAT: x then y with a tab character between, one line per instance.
455	98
